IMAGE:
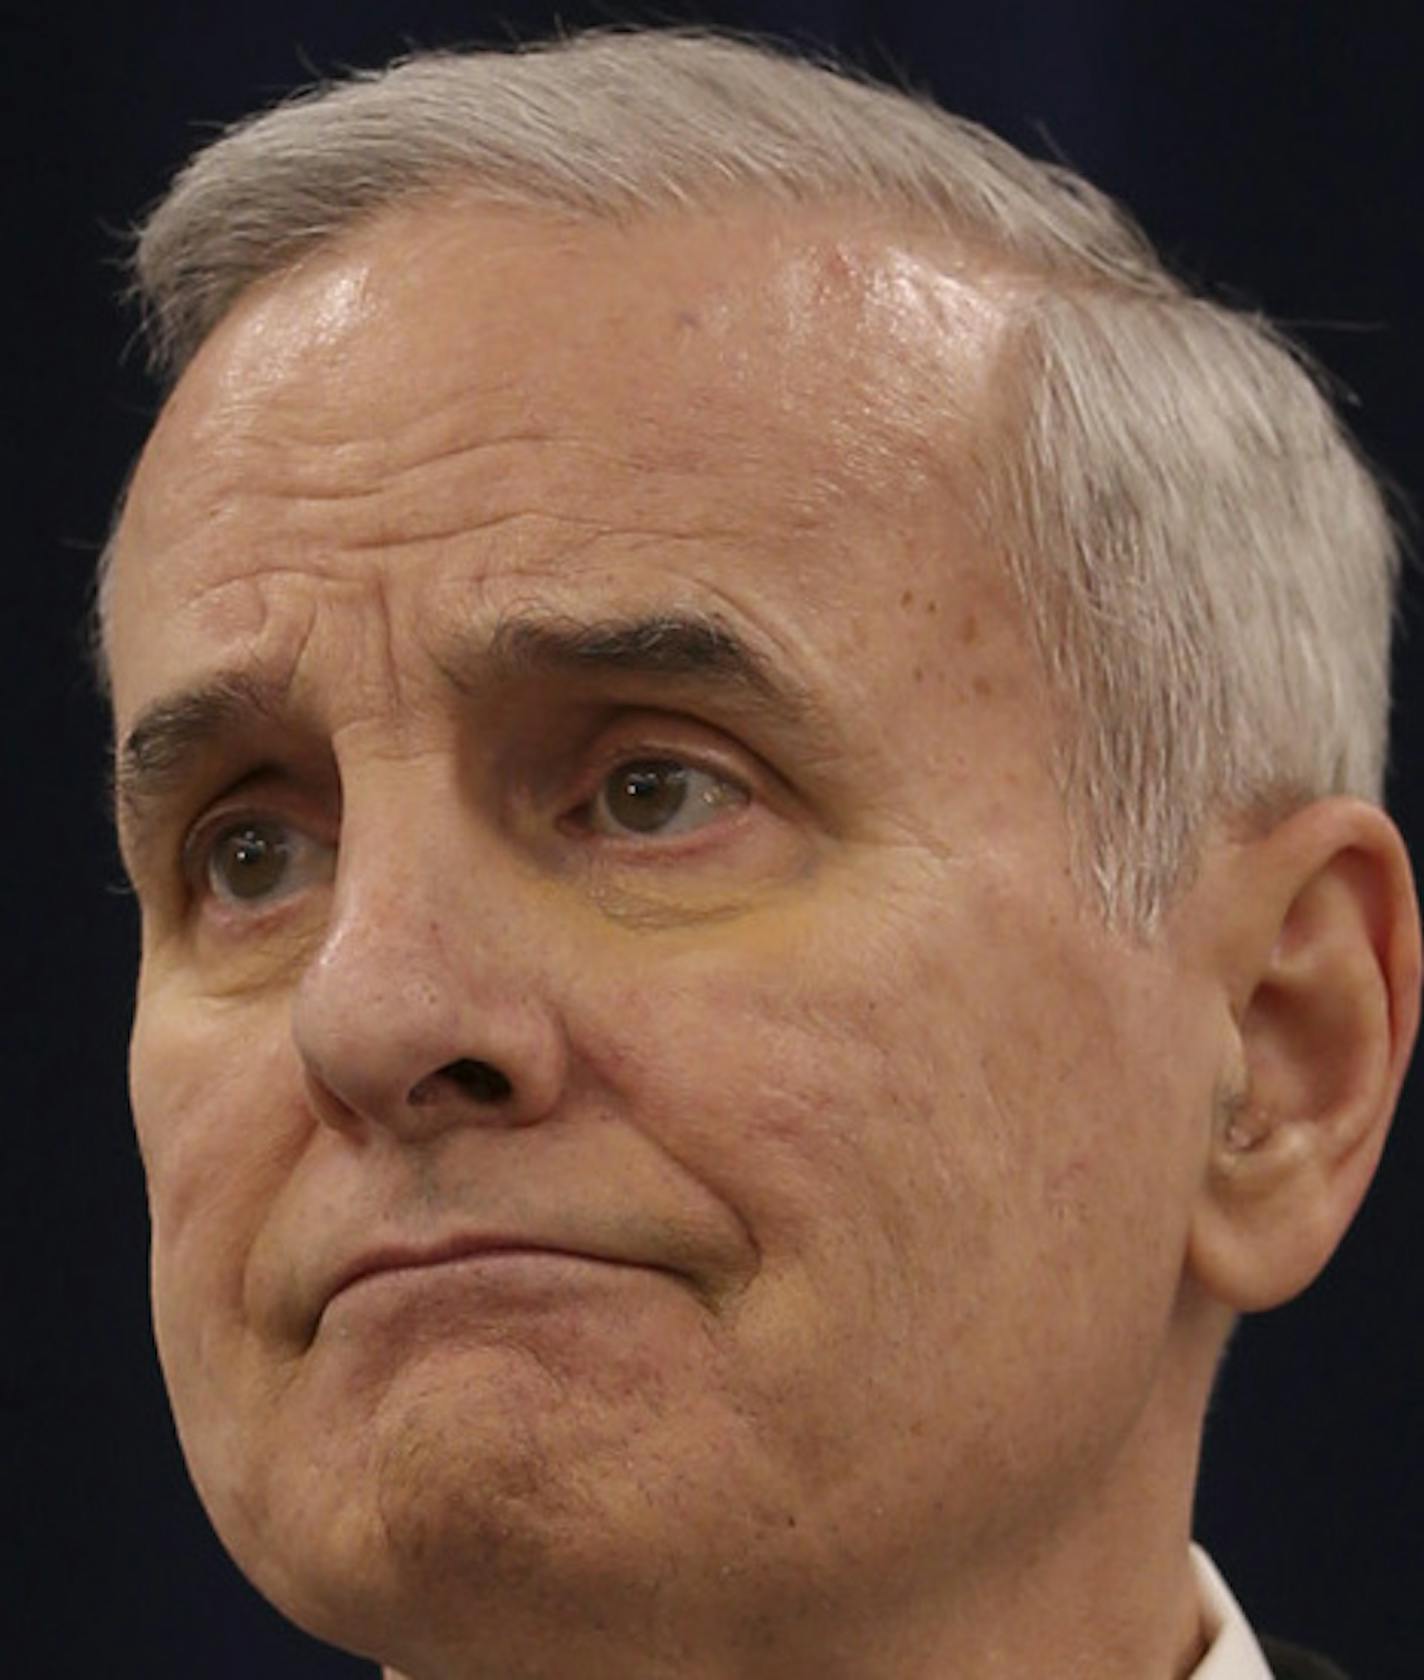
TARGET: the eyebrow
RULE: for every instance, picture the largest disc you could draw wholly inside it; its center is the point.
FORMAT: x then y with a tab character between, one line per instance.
159	749
158	752
673	644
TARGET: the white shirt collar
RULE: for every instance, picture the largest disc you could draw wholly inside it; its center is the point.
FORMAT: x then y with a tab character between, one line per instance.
1232	1653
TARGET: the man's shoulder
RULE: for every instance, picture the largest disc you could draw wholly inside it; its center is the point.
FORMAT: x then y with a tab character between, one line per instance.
1290	1662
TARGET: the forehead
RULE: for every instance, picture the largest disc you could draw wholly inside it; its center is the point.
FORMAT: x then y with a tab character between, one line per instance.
755	402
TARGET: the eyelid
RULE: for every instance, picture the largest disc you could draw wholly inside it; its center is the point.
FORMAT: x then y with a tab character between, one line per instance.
669	739
649	734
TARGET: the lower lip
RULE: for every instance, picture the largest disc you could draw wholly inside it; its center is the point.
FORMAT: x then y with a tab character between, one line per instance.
496	1279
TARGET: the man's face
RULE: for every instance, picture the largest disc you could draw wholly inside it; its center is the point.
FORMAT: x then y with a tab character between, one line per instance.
634	1109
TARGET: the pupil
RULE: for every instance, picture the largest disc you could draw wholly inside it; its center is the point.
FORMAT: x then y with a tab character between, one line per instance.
645	796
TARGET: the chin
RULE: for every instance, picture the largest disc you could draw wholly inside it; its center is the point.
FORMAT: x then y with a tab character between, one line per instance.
483	1517
470	1490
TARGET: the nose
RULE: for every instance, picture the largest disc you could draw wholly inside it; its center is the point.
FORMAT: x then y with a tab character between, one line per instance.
429	1001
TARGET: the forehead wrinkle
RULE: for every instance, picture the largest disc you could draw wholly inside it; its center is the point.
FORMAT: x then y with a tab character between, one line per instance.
425	442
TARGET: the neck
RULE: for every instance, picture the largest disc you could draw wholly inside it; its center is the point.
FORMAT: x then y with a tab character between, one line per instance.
1074	1618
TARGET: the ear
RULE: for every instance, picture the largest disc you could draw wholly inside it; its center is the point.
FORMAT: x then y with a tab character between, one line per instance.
1319	952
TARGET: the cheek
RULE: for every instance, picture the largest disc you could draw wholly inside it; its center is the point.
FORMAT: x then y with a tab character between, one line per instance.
925	1117
1088	1085
804	1079
218	1127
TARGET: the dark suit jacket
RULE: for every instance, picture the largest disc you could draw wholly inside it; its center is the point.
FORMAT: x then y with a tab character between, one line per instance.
1289	1662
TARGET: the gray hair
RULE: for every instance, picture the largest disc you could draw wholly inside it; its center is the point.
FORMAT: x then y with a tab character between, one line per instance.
1207	568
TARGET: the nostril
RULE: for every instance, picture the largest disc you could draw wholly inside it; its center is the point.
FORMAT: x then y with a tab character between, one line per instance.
480	1081
486	1084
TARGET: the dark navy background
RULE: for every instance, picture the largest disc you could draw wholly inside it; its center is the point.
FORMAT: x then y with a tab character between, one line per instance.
1276	149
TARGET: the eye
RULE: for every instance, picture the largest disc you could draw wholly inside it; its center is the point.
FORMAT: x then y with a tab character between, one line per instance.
661	796
257	860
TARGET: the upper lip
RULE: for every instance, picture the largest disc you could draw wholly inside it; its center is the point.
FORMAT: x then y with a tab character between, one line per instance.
391	1257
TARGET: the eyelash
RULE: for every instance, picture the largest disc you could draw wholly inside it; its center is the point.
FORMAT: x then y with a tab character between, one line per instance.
200	847
627	756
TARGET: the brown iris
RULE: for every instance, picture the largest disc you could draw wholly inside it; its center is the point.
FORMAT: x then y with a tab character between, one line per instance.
647	795
250	861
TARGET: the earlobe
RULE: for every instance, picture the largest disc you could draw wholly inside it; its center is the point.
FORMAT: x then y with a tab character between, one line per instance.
1320	949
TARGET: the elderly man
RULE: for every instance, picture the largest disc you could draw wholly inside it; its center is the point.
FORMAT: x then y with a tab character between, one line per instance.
750	749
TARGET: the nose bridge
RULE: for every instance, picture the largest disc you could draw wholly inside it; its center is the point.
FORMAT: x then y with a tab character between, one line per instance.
425	1003
408	860
410	856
